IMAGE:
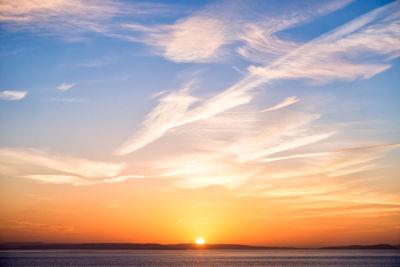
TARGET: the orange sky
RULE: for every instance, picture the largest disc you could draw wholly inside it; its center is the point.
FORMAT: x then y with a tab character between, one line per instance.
148	211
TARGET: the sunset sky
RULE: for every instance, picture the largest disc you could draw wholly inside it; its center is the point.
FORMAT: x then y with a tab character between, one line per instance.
252	122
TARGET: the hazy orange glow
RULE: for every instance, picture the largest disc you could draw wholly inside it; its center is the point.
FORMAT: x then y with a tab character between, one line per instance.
131	213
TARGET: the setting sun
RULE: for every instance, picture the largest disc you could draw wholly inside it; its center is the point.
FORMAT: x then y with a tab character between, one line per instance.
200	241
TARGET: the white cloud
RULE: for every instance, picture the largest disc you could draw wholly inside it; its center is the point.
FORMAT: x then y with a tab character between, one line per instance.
12	95
120	179
56	14
287	102
157	94
196	39
259	42
65	86
318	154
202	36
321	59
78	166
174	110
69	18
193	170
333	55
77	181
166	115
333	164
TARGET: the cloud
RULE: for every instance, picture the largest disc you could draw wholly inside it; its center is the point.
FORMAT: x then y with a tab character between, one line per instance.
259	40
35	227
12	95
287	102
225	149
71	165
285	133
55	179
334	54
120	179
68	100
261	45
48	168
65	86
203	36
166	115
194	170
198	38
157	94
70	18
76	180
174	110
51	14
318	154
321	59
185	41
336	163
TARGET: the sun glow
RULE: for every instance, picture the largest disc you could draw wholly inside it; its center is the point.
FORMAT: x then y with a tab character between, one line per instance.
200	241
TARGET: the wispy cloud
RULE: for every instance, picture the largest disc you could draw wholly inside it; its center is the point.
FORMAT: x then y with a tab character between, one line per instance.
321	59
49	168
324	59
61	16
65	86
67	100
259	40
29	226
78	181
185	41
317	154
174	110
55	179
202	36
12	95
166	115
53	14
104	61
196	38
157	94
283	134
71	165
287	102
335	163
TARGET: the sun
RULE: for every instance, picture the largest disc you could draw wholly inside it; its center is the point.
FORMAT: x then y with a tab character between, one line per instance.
200	241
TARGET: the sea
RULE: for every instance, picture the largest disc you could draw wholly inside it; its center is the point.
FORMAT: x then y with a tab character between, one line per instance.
204	258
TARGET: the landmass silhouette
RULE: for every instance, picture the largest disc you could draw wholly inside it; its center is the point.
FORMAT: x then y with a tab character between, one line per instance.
156	246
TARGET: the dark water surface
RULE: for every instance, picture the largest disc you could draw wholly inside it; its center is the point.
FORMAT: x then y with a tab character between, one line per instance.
173	258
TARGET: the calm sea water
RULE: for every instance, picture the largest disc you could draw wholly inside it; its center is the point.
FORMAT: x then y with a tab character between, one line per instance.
149	258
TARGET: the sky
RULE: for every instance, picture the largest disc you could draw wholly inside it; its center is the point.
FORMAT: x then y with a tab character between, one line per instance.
253	122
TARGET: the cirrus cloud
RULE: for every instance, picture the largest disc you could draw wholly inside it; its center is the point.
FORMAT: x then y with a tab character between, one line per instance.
12	95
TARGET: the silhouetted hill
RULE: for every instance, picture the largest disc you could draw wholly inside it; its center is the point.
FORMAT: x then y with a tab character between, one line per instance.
380	246
155	246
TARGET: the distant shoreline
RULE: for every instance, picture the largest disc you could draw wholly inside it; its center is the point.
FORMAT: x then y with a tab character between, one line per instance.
155	246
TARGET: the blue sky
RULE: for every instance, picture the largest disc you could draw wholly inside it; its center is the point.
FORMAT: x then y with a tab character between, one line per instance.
202	93
89	80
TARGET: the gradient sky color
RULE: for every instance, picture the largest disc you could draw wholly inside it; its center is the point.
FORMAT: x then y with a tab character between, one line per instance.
253	122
